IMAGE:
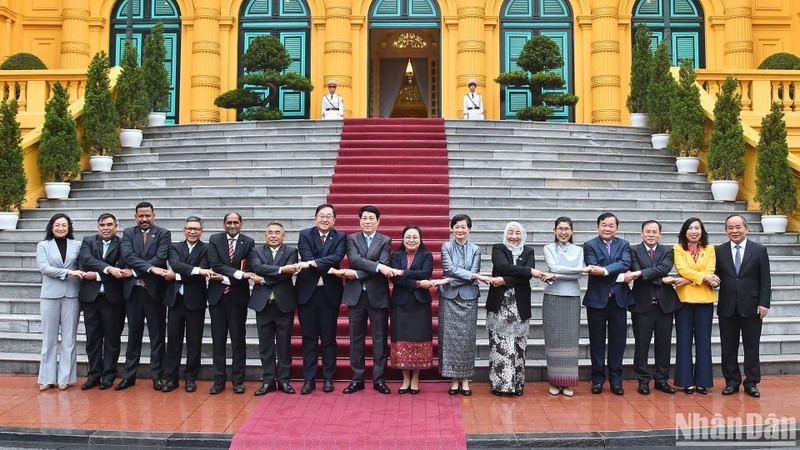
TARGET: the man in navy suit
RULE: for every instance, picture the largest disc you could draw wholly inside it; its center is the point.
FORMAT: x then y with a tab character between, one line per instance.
607	299
319	295
745	290
145	249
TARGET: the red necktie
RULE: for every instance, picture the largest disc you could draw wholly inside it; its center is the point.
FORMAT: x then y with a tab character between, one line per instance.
652	253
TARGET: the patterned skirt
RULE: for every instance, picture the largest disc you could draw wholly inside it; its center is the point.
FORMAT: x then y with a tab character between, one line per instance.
458	320
412	335
508	339
561	317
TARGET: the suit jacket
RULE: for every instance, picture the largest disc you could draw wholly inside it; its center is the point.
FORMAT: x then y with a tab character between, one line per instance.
141	257
222	264
55	281
649	285
405	287
195	290
750	288
599	286
326	257
694	271
91	260
365	262
262	263
459	271
516	274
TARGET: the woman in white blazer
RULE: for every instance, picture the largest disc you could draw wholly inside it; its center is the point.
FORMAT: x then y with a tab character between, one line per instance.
57	258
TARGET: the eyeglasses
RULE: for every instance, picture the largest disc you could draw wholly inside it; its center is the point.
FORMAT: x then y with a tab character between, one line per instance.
324	216
563	229
192	229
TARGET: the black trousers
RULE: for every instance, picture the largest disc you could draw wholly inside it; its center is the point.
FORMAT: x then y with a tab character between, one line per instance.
730	328
379	320
228	318
104	322
318	323
613	319
179	321
645	325
275	337
140	307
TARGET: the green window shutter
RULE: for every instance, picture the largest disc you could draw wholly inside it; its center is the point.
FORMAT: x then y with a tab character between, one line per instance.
421	8
388	8
649	8
519	8
554	8
163	8
683	8
259	8
293	8
685	46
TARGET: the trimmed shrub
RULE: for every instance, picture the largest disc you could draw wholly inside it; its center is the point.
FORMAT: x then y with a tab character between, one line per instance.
23	61
776	192
59	149
780	61
13	181
99	118
726	149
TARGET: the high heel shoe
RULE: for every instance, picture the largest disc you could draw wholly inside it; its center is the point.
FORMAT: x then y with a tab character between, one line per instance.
413	391
454	390
402	391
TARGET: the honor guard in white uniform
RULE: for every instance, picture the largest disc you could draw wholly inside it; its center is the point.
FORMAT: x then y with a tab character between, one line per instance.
332	103
473	102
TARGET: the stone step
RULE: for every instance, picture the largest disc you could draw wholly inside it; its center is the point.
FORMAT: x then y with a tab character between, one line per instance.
189	193
295	136
255	175
573	152
299	201
284	156
670	185
244	181
254	148
499	196
481	213
575	130
535	142
243	164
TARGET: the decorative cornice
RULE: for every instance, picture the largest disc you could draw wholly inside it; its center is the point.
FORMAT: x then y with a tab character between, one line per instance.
462	80
605	11
471	46
75	13
345	81
338	47
605	80
738	46
209	81
606	115
207	13
206	47
734	12
75	47
204	115
338	12
471	11
605	46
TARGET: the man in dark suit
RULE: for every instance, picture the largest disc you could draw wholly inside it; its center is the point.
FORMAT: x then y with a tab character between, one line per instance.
186	297
366	293
274	301
656	301
607	299
745	290
145	249
101	300
227	300
319	295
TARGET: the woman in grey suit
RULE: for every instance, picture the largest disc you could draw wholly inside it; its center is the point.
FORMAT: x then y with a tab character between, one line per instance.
57	258
458	305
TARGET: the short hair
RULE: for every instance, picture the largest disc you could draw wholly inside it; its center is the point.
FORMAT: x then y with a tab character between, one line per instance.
369	208
239	216
402	242
562	219
105	216
744	221
141	205
458	218
682	234
278	224
326	205
648	222
605	216
49	230
194	219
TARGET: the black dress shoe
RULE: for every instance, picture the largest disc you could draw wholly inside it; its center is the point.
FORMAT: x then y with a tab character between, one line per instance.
701	390
466	392
238	389
90	384
643	389
665	387
308	387
617	390
169	386
217	388
402	391
413	391
265	389
327	386
286	388
190	386
597	388
106	385
730	390
497	393
454	391
518	392
124	384
688	390
158	385
354	386
752	391
381	387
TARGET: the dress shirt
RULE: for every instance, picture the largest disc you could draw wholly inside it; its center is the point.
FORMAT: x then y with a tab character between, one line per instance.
741	250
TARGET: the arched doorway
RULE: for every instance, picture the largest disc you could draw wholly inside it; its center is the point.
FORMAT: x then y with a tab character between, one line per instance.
404	59
145	15
679	22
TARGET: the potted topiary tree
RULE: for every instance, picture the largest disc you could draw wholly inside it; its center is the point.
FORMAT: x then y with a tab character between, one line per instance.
156	76
132	102
59	149
99	117
687	135
776	192
641	62
659	96
726	148
12	173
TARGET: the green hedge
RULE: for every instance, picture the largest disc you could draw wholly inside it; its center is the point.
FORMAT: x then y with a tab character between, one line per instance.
23	61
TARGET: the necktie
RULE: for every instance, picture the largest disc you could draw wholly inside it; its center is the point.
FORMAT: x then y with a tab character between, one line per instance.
473	95
230	256
322	238
105	248
737	257
369	241
608	248
274	252
144	242
652	254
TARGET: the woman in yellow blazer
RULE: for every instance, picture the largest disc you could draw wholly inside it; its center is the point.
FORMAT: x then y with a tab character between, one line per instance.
695	262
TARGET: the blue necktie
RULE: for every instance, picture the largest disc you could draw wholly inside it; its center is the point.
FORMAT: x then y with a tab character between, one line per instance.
737	258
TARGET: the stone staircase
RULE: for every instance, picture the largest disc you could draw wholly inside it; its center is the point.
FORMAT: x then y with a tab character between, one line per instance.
499	171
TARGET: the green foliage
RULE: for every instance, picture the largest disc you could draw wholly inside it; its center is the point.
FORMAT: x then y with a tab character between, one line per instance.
660	91
686	115
99	117
13	181
155	74
265	63
641	62
776	192
59	149
726	149
780	61
132	102
23	61
539	57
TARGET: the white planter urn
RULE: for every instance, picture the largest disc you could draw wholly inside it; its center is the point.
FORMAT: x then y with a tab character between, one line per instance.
659	140
774	223
130	137
156	119
639	120
724	190
687	164
101	163
57	189
8	220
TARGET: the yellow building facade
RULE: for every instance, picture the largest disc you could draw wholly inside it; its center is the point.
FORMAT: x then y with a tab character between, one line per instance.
368	46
